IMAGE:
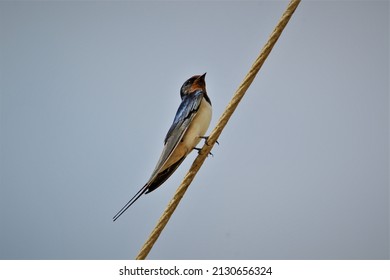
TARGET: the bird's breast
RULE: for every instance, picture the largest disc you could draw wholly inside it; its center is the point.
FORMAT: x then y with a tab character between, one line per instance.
198	126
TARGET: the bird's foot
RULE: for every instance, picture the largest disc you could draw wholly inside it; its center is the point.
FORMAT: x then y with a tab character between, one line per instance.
199	149
206	138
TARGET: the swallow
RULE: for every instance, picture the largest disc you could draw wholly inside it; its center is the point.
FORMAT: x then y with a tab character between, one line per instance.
189	126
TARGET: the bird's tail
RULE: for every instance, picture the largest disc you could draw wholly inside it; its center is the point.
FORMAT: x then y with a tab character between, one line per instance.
131	201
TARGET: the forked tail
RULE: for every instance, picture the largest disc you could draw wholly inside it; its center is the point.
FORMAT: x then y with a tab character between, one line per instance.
131	201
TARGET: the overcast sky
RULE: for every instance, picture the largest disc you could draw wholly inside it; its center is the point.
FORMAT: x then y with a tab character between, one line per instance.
89	90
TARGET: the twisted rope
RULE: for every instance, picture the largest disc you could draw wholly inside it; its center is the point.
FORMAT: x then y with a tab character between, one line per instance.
217	130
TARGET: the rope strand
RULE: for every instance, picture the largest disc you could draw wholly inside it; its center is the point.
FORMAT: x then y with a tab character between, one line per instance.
217	130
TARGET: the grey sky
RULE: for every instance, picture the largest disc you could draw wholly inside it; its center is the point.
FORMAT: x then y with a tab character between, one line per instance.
89	90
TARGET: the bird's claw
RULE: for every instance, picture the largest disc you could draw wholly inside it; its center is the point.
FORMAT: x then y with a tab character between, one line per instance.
199	149
207	138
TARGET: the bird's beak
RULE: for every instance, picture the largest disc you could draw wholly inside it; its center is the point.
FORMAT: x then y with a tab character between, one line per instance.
201	78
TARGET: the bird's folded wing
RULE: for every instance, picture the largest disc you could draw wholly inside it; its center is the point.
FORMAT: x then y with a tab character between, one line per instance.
184	116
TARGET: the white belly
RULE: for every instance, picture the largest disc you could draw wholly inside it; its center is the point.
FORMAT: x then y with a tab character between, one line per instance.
198	126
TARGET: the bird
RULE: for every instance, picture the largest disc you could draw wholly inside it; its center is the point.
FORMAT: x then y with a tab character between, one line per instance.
189	126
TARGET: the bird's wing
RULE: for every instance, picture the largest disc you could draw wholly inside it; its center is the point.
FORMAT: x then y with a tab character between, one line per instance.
184	116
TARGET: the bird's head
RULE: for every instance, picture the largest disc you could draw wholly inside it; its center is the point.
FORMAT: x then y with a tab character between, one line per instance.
193	84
